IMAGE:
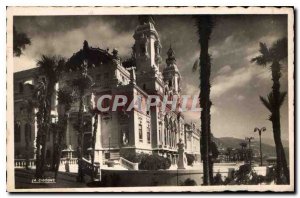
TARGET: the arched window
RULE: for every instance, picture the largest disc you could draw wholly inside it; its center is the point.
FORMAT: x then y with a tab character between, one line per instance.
28	132
17	132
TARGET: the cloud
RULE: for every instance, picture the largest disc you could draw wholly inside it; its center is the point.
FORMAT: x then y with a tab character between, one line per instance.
240	97
225	82
224	69
98	34
190	89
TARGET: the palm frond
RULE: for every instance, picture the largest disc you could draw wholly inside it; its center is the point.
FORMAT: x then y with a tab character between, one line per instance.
270	117
282	97
51	66
264	58
259	60
196	65
279	49
266	103
263	49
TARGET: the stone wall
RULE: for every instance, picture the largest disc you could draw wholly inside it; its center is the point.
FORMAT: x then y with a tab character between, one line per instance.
150	178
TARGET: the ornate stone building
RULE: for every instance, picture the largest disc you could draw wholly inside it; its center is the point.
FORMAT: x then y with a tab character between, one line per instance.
119	132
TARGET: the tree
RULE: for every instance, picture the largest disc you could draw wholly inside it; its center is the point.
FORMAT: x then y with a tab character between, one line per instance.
229	152
95	113
39	95
273	56
50	68
81	85
205	25
20	40
81	61
243	145
29	106
65	99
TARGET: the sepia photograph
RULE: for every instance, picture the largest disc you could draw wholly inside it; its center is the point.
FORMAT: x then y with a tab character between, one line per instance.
150	99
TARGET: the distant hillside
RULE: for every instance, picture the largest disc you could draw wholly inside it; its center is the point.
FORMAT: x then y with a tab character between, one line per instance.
226	142
270	141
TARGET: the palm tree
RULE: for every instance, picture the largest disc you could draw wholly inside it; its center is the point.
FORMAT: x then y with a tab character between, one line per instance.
273	56
50	68
229	152
65	99
39	95
243	145
205	24
20	40
81	85
81	61
95	114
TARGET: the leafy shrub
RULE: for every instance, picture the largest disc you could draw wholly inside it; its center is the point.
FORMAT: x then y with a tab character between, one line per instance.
190	159
242	175
189	182
134	157
245	176
154	162
217	180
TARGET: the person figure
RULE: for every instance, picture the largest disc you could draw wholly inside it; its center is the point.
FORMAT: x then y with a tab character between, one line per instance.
181	155
67	166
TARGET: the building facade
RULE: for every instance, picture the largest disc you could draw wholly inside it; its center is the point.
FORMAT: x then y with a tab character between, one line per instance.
118	132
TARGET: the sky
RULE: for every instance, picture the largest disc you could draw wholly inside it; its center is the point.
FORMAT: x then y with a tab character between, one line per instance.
236	83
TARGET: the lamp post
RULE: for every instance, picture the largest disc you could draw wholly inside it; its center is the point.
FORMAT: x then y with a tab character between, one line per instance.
109	147
249	139
259	130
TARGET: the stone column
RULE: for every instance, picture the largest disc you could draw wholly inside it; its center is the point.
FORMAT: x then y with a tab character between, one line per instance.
98	144
180	162
35	133
68	139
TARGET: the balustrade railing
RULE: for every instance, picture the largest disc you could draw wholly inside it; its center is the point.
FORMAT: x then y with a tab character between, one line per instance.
71	160
21	163
91	170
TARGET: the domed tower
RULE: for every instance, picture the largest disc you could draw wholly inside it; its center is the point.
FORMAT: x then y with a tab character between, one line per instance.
146	51
147	45
171	73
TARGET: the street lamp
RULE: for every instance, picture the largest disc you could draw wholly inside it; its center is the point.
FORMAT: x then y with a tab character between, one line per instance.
249	139
259	133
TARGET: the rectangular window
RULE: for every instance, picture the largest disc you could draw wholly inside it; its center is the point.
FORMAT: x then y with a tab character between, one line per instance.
28	132
21	87
17	132
148	133
140	132
159	136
